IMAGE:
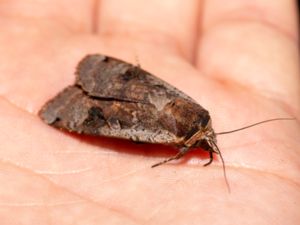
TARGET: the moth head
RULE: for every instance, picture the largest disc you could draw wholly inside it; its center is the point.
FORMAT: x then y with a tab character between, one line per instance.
208	137
203	136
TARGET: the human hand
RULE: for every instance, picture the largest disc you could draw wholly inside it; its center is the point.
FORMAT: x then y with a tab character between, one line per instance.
239	61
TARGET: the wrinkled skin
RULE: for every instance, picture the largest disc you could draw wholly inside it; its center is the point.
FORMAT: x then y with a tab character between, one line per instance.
240	61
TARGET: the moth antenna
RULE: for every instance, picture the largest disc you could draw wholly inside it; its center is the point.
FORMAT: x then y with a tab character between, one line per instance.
252	125
223	165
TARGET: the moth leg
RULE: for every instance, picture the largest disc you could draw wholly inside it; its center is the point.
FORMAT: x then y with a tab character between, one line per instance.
175	157
211	158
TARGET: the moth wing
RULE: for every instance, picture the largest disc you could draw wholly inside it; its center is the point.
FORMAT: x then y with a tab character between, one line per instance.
73	110
116	99
107	77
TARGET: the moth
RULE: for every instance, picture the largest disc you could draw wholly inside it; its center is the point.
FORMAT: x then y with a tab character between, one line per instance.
113	98
116	99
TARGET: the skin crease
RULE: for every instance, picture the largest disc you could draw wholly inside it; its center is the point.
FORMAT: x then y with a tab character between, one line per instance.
239	61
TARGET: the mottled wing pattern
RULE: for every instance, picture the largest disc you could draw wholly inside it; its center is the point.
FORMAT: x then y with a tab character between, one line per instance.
82	114
107	77
115	99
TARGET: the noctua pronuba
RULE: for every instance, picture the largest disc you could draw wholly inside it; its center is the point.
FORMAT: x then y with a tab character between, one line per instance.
113	98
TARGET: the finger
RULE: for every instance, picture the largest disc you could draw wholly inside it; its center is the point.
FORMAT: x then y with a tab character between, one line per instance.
57	14
253	44
169	24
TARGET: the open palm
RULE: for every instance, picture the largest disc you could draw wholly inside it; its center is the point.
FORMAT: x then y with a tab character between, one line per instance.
239	61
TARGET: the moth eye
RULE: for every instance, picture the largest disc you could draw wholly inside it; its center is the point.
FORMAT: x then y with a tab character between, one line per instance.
205	121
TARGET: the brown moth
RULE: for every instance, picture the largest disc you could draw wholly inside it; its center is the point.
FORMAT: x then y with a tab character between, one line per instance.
113	98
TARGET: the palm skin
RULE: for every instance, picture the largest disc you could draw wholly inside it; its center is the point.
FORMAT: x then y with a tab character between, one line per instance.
239	65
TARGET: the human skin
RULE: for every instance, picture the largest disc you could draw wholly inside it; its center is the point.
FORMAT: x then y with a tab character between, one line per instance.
239	60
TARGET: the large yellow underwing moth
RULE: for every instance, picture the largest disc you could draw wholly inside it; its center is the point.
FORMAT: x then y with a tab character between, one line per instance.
113	98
